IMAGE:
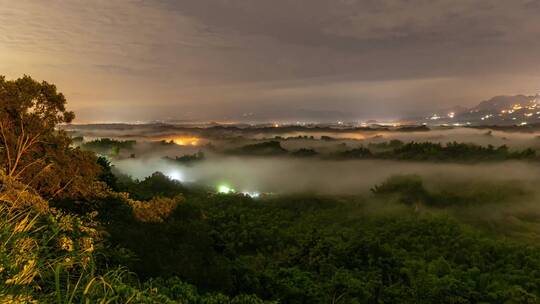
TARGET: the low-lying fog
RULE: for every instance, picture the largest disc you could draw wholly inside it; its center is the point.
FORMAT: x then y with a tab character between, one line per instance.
489	183
443	135
285	175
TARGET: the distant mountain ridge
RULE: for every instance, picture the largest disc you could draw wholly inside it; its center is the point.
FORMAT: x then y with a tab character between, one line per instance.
498	110
500	103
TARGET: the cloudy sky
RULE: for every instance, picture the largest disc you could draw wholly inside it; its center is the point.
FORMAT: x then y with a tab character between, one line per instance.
127	60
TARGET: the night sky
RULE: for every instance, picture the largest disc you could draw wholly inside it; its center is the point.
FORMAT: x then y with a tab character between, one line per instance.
255	60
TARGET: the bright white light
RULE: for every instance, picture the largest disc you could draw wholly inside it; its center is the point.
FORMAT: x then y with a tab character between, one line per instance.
224	189
175	175
253	194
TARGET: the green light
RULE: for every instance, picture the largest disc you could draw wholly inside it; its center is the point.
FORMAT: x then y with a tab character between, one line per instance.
225	189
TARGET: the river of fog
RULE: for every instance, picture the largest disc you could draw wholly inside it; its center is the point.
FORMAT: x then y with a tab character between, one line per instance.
286	175
442	135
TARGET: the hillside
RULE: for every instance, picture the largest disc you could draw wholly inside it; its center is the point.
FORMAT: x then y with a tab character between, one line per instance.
499	110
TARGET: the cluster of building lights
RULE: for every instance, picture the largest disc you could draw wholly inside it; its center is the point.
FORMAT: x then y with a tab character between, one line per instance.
529	111
486	116
450	115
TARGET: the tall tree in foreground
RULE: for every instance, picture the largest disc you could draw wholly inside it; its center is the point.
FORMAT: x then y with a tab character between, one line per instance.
32	150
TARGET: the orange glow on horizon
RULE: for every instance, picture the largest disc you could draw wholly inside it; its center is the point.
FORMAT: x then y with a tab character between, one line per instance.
186	141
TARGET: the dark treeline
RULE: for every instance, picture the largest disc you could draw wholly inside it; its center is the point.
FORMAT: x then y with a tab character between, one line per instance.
455	152
398	150
428	151
267	148
188	159
411	190
108	146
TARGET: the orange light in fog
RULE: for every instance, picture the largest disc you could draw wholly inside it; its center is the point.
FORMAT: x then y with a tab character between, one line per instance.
185	141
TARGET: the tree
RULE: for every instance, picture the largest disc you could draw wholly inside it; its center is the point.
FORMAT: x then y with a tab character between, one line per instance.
107	176
32	150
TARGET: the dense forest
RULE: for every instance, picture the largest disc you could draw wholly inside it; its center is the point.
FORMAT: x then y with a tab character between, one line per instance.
398	150
72	230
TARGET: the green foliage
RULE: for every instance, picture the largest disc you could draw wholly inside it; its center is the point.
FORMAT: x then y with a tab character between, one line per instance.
268	148
356	153
428	151
32	150
48	256
303	152
120	286
108	146
305	249
387	145
37	244
77	139
188	159
156	184
410	189
107	176
179	245
210	249
458	152
286	249
398	150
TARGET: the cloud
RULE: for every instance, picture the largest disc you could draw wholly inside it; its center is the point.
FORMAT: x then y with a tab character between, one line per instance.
225	57
358	24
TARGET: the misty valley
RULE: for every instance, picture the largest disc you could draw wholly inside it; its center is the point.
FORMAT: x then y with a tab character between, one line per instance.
376	214
269	152
271	213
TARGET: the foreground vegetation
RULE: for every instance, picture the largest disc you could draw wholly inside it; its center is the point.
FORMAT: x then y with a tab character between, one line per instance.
288	249
73	231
